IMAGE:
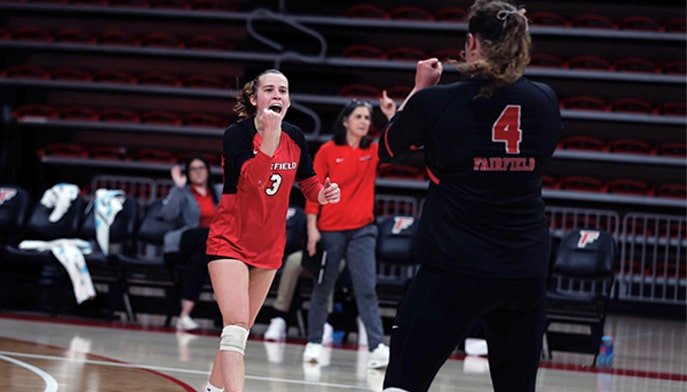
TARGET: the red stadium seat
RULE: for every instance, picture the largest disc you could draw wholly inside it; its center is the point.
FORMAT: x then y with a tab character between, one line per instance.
119	115
114	37
358	90
632	105
203	120
636	65
206	42
406	54
581	184
640	23
672	149
548	61
676	25
451	14
66	150
79	113
582	143
71	74
678	67
364	52
155	155
631	146
674	109
550	182
592	21
114	76
205	81
585	103
159	117
35	111
401	172
75	36
629	187
677	191
115	153
411	13
368	11
590	63
162	40
213	158
28	33
157	78
548	19
25	72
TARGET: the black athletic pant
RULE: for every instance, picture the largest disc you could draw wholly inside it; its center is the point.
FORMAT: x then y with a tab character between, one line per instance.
192	255
439	310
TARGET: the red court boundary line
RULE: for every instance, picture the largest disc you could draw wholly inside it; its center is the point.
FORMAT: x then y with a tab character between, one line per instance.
459	357
182	384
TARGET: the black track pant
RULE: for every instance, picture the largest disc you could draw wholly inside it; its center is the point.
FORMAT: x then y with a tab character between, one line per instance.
192	255
439	310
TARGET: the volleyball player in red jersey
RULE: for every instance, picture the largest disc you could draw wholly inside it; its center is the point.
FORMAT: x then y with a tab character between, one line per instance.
262	156
483	240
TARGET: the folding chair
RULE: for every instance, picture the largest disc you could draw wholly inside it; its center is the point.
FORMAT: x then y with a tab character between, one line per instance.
580	288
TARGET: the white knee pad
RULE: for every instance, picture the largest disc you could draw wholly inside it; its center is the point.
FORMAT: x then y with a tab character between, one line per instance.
394	390
234	338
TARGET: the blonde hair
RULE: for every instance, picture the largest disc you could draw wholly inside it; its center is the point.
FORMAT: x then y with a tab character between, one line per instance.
503	33
244	108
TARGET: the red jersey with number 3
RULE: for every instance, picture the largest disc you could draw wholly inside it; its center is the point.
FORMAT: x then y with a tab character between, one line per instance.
250	222
483	212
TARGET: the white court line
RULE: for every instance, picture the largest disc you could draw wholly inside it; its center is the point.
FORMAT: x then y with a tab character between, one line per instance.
50	382
178	370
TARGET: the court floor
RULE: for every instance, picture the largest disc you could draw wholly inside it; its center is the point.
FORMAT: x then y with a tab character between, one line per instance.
67	354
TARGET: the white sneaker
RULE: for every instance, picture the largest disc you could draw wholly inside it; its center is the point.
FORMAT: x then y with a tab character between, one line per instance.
379	357
362	334
186	324
277	330
312	352
328	335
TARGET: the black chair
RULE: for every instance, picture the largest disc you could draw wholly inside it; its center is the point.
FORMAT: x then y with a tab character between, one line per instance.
144	269
36	277
396	266
580	287
102	264
14	209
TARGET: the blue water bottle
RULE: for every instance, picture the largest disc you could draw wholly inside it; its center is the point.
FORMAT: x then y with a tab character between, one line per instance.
605	358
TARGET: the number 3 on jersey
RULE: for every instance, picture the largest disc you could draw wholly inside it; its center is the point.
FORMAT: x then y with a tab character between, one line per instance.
506	129
276	183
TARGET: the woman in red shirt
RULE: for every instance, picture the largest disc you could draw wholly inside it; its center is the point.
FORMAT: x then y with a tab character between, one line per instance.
347	229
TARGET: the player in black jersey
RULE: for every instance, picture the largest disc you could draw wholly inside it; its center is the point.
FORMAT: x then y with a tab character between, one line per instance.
483	240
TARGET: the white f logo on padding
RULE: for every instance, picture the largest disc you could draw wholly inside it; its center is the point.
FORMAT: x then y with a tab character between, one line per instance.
401	223
587	237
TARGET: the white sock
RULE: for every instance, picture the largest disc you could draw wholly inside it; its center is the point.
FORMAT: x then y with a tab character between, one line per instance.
211	388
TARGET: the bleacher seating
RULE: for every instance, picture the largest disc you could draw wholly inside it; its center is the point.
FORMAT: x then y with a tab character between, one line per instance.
132	85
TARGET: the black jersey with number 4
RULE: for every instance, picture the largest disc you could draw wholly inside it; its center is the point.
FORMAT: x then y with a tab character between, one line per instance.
483	211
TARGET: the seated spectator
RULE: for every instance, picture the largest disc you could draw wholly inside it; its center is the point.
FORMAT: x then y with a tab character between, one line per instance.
191	203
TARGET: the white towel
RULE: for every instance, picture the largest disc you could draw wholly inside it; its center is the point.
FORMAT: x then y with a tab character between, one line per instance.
59	198
108	203
7	194
69	252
